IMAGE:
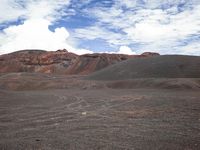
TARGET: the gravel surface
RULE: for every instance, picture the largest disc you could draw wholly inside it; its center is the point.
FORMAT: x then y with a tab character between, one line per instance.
100	119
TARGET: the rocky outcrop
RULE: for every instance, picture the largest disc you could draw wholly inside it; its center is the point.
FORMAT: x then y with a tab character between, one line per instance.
150	54
88	63
59	62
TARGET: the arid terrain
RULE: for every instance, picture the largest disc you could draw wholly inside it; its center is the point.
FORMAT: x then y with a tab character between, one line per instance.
142	103
60	61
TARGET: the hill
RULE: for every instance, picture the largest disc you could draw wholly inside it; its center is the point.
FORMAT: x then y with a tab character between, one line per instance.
59	62
167	66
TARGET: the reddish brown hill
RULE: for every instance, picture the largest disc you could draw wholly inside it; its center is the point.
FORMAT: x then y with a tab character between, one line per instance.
59	62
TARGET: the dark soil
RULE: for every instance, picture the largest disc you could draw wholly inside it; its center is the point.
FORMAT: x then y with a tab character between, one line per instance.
52	112
109	119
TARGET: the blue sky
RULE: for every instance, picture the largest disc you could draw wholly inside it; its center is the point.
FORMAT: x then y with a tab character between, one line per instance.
89	26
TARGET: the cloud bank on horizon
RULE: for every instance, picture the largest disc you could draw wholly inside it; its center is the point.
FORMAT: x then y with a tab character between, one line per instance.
114	26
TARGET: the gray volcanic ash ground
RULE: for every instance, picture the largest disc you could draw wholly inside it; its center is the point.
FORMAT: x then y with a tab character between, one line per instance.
137	104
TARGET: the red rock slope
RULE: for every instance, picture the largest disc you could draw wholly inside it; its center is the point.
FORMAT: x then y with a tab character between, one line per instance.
59	62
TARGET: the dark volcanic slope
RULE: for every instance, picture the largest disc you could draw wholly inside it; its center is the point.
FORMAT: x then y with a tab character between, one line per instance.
167	66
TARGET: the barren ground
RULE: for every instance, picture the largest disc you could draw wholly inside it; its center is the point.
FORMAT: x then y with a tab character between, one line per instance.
104	118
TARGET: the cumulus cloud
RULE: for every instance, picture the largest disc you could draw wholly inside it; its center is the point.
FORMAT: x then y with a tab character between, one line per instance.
122	50
125	50
164	26
34	32
81	51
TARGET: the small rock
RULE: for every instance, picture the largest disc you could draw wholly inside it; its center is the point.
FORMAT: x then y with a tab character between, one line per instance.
62	50
84	113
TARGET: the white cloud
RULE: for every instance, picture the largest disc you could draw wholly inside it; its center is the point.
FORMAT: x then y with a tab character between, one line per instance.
34	33
153	4
10	10
96	32
190	49
125	50
82	51
127	3
153	28
165	37
125	23
48	9
122	50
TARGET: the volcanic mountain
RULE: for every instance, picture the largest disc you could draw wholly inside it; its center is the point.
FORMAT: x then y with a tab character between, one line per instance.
166	66
60	62
119	107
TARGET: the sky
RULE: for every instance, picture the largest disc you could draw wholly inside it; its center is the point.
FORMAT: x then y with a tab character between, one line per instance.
99	26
